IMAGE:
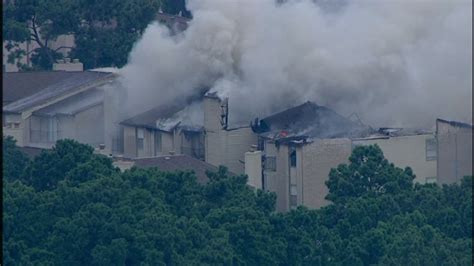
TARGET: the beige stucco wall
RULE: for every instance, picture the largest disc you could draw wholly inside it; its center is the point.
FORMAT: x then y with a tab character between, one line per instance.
16	133
129	140
225	147
454	153
278	181
89	126
406	151
253	168
317	160
66	127
313	163
167	143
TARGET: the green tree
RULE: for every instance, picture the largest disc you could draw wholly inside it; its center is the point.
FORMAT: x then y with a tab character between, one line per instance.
14	167
104	31
39	22
80	210
368	173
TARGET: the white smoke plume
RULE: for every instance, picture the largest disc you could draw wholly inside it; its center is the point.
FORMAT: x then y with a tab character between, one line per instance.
394	62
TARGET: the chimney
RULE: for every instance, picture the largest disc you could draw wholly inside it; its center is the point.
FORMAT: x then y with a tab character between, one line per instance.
66	65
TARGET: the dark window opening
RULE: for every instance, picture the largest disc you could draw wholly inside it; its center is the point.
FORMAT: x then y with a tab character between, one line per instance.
293	158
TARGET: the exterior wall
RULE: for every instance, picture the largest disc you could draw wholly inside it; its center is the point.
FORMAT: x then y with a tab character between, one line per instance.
317	160
406	151
213	127
313	163
171	142
278	181
148	142
41	134
167	143
66	127
130	142
253	168
114	98
89	126
191	144
225	147
454	152
14	126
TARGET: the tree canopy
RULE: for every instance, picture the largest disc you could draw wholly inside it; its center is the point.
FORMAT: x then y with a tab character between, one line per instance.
71	206
104	31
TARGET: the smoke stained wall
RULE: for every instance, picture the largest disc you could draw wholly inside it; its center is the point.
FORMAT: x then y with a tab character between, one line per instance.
395	63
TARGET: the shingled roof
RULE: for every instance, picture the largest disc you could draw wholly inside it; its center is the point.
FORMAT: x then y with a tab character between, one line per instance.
309	120
18	85
27	95
172	163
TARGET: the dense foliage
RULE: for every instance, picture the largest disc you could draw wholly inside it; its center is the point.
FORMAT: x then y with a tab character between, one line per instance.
104	31
72	207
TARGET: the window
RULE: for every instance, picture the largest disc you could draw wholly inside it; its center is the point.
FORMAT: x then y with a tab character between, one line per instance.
431	149
431	179
261	144
292	157
43	129
270	163
140	138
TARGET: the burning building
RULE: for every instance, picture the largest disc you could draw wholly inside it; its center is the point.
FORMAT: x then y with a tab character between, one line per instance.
298	147
225	144
166	129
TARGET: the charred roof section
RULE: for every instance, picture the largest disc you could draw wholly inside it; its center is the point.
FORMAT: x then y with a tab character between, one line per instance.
307	121
455	123
166	117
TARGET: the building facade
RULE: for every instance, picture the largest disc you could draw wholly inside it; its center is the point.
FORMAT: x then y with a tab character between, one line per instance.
454	151
59	105
418	150
225	145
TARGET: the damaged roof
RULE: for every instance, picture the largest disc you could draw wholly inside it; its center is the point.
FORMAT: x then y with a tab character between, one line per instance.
455	123
149	118
309	120
178	163
61	86
166	117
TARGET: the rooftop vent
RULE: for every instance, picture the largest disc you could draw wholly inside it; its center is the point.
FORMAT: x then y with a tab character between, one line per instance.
66	65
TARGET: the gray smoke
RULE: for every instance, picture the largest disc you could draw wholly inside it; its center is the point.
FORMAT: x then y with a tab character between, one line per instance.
394	63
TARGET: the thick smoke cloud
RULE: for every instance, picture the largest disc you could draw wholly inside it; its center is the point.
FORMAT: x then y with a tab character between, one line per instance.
394	63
